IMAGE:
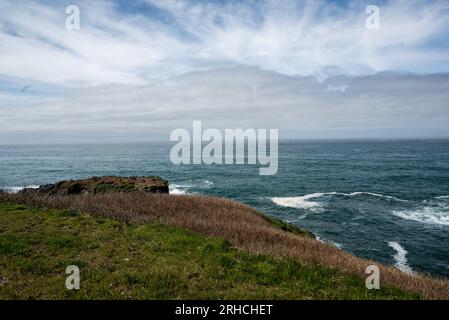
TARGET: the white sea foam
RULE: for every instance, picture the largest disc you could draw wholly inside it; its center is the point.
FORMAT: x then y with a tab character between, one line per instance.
335	244
184	188
303	202
207	182
16	189
374	195
400	257
178	189
432	215
442	197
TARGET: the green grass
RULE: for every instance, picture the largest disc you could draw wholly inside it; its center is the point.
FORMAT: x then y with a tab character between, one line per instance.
120	261
278	223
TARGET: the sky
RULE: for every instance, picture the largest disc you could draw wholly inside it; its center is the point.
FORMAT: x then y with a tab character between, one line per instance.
136	70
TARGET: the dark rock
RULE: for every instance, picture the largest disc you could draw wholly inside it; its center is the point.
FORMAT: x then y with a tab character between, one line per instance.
102	185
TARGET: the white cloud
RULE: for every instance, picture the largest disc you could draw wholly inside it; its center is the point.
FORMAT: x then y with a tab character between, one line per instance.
289	37
339	88
385	104
308	68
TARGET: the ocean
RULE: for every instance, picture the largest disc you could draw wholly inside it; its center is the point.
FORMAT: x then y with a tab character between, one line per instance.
386	200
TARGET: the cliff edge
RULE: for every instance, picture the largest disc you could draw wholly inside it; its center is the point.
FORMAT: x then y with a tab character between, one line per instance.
105	184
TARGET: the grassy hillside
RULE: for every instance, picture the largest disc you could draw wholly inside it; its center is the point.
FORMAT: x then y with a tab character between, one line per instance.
122	260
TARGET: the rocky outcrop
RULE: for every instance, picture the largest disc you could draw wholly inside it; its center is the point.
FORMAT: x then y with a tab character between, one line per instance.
103	185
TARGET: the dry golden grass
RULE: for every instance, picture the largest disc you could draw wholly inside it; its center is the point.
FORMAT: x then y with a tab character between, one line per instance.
243	226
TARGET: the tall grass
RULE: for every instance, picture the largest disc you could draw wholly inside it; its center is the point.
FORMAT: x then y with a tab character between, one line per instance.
244	227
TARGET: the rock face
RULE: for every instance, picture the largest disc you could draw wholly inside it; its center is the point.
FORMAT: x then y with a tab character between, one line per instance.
103	185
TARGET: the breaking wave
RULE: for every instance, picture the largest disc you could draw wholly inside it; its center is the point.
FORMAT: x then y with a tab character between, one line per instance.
185	188
335	244
400	257
373	195
432	215
178	189
301	202
16	189
304	202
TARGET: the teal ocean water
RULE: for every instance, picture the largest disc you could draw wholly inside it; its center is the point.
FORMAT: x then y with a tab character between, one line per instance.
384	200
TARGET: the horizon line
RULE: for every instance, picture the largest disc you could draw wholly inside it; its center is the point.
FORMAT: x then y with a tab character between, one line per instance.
168	142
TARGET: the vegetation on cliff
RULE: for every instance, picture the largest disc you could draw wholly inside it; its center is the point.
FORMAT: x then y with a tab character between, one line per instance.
105	184
75	223
150	261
